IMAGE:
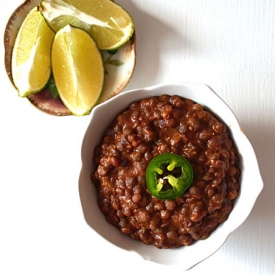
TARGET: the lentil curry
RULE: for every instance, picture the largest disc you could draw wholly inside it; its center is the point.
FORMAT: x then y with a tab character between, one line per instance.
146	129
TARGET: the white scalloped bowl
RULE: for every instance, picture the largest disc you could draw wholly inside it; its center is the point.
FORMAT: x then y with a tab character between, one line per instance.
251	181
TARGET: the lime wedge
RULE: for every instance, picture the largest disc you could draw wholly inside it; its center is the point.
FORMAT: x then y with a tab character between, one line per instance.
31	62
107	22
77	69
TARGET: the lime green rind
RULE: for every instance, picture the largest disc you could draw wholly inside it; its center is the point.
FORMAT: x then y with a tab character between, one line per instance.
77	18
99	93
25	89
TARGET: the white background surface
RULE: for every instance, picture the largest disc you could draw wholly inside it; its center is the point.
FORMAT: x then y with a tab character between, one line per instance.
227	44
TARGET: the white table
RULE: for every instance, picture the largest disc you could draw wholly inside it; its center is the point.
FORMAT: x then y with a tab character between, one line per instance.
227	44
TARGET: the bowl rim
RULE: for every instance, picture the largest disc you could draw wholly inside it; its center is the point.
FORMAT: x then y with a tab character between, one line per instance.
167	257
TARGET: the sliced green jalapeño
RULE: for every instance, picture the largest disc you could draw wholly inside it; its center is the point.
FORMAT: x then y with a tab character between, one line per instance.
168	176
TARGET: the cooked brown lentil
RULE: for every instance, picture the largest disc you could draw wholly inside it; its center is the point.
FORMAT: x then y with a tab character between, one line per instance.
150	127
